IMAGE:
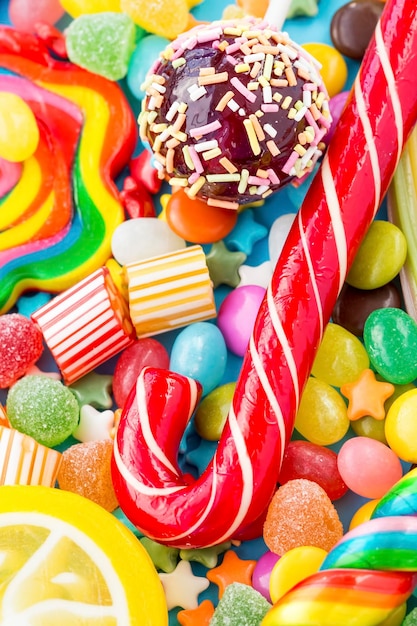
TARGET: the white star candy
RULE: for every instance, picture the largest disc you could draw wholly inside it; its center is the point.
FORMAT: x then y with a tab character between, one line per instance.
94	425
182	587
256	275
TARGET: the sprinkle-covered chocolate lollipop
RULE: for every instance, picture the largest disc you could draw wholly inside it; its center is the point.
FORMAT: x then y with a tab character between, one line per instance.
233	111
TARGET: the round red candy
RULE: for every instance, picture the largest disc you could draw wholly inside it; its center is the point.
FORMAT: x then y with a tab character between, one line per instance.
21	346
234	111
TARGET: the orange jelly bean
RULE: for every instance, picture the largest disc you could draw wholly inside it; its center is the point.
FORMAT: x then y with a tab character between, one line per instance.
195	221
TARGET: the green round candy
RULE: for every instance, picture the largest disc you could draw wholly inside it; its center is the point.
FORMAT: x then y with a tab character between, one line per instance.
390	337
212	413
380	257
368	426
43	408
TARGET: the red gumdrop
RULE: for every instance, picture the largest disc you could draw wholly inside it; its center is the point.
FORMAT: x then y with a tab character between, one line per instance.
21	346
303	459
24	14
196	221
133	359
143	172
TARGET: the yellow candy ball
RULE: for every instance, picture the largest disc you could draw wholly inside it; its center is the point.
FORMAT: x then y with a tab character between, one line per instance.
334	70
401	426
363	514
19	132
75	8
293	567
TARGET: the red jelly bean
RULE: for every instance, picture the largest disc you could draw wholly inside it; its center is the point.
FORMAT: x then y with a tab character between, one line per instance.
136	199
196	221
143	172
303	459
133	359
21	346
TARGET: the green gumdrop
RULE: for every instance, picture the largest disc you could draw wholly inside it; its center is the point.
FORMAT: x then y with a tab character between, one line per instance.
212	413
43	408
411	619
102	43
380	257
240	605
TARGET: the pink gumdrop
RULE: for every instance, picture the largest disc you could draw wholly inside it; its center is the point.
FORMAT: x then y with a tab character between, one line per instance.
133	359
368	467
262	573
21	346
237	315
303	459
24	14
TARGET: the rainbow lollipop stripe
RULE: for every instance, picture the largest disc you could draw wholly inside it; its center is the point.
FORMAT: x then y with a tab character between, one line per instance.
61	232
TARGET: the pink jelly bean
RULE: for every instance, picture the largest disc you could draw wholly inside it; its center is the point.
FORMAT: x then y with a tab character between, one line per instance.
24	14
303	459
21	346
368	467
237	314
262	573
133	359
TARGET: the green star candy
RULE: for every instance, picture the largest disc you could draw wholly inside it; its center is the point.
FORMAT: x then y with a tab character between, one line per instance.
93	389
299	8
223	265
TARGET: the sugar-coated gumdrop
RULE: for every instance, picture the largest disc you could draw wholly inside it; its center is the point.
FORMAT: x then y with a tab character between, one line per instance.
301	514
167	18
237	314
24	14
240	605
21	346
75	8
200	352
85	469
334	70
212	412
368	467
401	426
213	223
390	337
262	573
303	459
380	257
102	43
411	618
142	238
293	567
133	359
340	358
19	132
43	408
322	415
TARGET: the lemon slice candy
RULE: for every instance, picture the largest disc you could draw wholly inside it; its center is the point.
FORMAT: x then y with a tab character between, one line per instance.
65	560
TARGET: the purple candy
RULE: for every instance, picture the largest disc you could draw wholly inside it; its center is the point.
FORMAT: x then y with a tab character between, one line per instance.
262	573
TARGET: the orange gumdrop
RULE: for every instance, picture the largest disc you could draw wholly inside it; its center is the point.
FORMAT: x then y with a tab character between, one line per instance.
301	514
196	221
85	469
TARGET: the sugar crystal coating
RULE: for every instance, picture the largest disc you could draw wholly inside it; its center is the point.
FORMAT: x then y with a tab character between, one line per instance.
85	469
21	346
43	408
240	605
301	514
233	111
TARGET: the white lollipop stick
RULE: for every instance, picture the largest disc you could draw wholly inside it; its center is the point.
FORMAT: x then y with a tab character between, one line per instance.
277	12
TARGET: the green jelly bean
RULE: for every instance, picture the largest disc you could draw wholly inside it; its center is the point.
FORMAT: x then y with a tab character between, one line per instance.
212	413
340	358
390	337
380	257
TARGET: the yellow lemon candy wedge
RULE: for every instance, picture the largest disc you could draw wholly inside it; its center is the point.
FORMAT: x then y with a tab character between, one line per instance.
19	132
65	560
293	567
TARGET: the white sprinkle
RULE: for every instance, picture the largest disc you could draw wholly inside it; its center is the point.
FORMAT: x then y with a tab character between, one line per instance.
198	93
206	145
270	130
233	105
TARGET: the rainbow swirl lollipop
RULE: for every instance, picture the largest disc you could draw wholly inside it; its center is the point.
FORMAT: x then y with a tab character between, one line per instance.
56	222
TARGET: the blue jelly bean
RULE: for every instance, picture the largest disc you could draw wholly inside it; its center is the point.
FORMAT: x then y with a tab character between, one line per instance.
200	352
145	53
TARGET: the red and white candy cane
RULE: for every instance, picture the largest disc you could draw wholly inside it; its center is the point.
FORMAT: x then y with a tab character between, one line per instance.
231	496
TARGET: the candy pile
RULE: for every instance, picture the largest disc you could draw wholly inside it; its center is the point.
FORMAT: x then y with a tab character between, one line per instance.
167	427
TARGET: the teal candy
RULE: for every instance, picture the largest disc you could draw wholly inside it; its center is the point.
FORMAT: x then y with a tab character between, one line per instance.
390	337
200	352
43	408
240	605
102	43
145	53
